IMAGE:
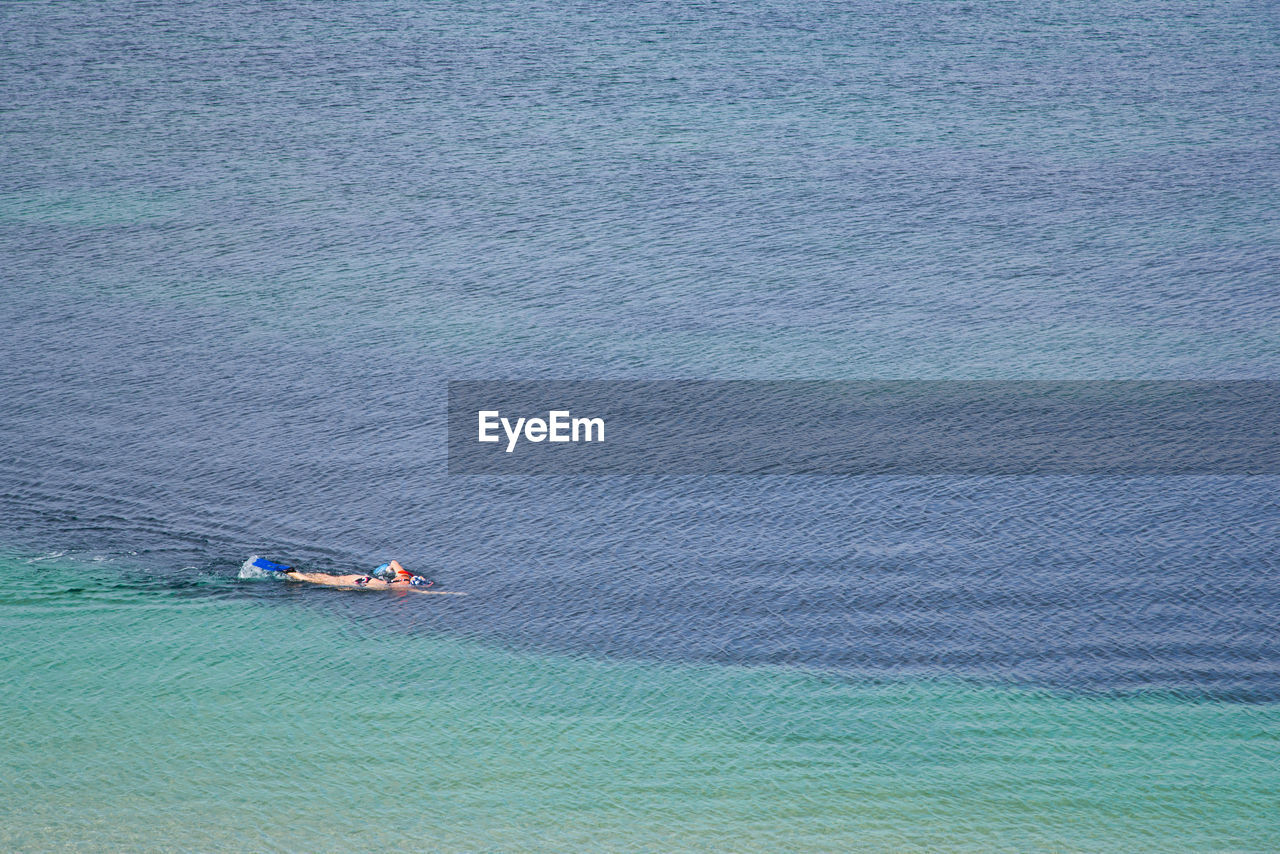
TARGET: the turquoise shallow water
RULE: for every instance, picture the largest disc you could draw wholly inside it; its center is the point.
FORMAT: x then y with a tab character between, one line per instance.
217	714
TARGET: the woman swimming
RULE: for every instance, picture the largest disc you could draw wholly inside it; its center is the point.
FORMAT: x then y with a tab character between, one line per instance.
386	577
389	576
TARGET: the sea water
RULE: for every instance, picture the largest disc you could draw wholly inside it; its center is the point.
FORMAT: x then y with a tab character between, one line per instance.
243	247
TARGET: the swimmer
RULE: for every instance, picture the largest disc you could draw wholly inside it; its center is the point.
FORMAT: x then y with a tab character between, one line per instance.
389	576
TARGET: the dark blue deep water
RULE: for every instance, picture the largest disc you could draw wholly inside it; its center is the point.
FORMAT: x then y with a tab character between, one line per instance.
244	246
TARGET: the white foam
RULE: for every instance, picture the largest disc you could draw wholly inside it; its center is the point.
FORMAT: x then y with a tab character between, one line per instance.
248	570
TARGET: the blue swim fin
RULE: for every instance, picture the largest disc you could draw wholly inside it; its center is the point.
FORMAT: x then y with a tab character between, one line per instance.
263	563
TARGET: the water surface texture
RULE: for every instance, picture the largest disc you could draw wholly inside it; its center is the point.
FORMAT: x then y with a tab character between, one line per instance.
243	248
